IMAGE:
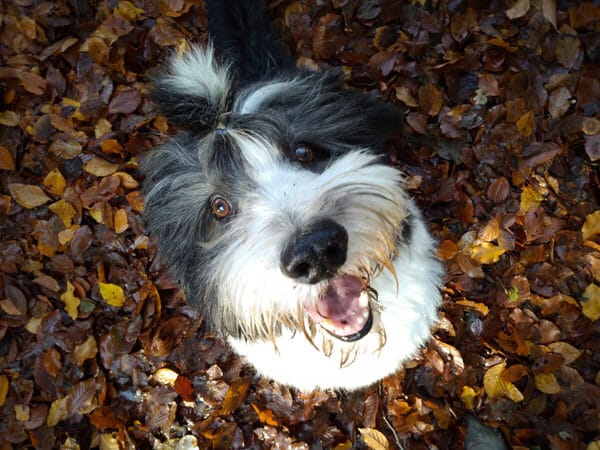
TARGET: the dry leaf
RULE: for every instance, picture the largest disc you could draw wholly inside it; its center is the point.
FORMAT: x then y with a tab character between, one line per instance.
71	301
266	416
374	439
235	395
112	293
55	182
100	167
120	220
519	9
64	210
9	118
59	410
468	396
590	305
591	227
86	350
28	195
3	388
487	253
496	387
547	383
7	161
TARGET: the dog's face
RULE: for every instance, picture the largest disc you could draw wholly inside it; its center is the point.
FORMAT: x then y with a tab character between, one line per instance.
275	210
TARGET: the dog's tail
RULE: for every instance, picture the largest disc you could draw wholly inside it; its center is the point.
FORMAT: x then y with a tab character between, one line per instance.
241	31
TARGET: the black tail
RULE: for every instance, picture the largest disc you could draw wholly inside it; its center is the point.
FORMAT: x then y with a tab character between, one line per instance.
241	31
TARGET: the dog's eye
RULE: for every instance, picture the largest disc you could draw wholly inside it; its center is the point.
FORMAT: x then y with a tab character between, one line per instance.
220	207
304	153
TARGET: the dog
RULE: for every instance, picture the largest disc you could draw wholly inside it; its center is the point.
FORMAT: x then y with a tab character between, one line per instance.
276	212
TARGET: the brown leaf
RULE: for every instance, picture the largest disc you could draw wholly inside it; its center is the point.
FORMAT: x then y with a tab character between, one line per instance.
184	388
430	99
7	161
32	82
52	362
374	439
498	191
27	195
125	102
327	40
519	9
559	101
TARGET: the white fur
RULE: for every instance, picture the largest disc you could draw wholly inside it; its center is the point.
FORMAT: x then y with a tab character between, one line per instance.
366	198
256	99
198	74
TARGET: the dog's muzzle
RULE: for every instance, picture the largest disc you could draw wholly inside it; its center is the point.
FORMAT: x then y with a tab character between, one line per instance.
315	253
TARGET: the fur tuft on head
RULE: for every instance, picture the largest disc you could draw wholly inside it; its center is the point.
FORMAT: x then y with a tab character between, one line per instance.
195	90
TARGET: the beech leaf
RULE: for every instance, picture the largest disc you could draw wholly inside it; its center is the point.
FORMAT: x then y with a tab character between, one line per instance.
374	439
112	293
28	195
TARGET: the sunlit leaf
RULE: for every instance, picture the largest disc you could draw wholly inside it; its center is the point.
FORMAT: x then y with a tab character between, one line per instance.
496	387
112	293
71	301
266	416
487	253
60	409
86	350
590	305
235	395
530	198
468	396
374	439
591	226
165	375
547	383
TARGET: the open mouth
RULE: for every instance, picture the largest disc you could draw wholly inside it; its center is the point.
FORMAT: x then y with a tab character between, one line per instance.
343	309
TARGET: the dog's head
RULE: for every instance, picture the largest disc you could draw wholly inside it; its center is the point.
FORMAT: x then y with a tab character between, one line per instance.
273	207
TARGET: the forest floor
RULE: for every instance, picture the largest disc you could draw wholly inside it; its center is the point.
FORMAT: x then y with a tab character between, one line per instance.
500	144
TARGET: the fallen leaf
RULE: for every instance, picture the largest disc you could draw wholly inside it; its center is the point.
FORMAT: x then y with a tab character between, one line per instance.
86	350
55	182
430	99
591	226
60	409
568	352
112	293
9	118
468	396
64	210
100	167
165	375
235	395
496	387
590	305
28	195
7	161
71	301
547	383
374	439
487	253
530	198
3	388
559	101
519	9
120	221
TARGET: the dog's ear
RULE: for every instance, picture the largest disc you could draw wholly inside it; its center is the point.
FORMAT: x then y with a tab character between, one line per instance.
194	90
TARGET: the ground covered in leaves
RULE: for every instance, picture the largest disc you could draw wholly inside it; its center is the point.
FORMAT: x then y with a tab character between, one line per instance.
501	142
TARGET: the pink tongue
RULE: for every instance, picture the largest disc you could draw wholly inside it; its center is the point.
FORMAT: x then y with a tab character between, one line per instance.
338	308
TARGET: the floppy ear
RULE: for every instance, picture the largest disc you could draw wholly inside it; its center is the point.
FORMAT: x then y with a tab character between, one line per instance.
194	90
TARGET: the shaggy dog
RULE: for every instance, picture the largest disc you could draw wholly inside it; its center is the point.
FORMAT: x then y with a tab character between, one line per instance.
276	213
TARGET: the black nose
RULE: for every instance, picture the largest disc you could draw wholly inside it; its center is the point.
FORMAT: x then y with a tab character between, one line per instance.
315	252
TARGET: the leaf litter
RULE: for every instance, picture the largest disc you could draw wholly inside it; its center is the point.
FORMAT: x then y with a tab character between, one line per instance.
500	144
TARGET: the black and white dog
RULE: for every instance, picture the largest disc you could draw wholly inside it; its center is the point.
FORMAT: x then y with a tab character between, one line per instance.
276	213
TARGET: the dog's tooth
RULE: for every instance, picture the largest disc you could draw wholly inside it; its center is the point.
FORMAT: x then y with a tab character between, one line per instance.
347	329
365	314
360	320
363	300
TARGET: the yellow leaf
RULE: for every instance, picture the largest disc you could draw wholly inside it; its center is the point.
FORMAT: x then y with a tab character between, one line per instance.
3	388
59	410
591	227
28	195
235	395
120	221
9	118
165	375
55	182
526	124
468	397
266	416
487	253
547	383
86	350
71	301
496	387
374	439
591	304
96	215
593	446
22	413
128	10
64	210
530	198
482	308
112	293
